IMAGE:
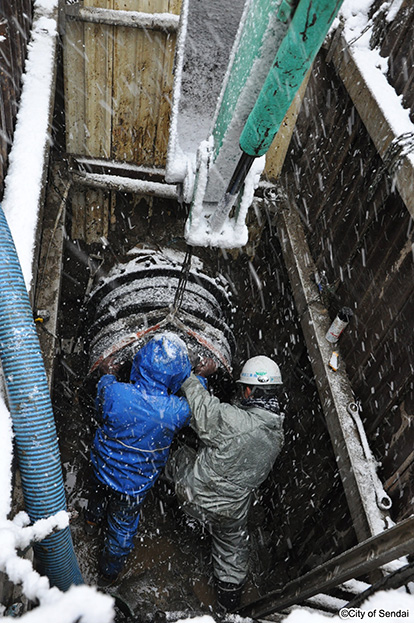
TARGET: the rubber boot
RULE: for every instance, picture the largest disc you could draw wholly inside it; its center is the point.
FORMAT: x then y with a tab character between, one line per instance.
228	597
109	567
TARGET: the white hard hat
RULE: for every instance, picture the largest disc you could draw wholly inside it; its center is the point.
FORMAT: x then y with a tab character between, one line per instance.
260	370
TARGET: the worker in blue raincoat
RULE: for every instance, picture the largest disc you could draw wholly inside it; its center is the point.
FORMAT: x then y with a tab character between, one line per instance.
138	421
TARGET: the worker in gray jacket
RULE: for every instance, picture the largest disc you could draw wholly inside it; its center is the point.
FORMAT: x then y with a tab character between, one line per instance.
238	446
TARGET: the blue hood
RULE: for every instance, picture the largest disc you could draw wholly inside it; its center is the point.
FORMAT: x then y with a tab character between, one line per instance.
162	363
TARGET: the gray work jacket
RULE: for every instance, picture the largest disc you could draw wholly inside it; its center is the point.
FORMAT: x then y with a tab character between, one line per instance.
238	449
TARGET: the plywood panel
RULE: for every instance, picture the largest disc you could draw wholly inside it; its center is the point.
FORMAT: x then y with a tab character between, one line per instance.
125	75
74	70
98	85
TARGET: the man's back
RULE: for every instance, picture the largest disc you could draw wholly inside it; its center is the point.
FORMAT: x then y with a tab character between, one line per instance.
239	447
138	419
133	442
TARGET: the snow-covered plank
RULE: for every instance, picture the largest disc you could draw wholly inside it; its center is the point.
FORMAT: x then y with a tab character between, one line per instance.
25	182
102	165
167	22
126	184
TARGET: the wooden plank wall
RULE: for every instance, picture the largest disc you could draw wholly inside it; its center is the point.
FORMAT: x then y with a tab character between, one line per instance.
361	238
118	92
118	86
15	23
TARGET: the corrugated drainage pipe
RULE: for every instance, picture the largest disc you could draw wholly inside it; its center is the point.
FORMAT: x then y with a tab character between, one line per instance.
33	421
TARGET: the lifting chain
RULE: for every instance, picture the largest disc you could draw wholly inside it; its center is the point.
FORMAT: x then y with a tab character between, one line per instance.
182	282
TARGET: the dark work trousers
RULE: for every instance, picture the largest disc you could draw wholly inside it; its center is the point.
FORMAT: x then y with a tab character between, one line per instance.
122	513
230	536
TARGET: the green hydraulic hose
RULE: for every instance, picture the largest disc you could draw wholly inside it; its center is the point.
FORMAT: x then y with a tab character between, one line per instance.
306	33
308	28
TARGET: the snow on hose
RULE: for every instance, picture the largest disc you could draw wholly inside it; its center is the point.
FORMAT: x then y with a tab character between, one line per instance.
32	416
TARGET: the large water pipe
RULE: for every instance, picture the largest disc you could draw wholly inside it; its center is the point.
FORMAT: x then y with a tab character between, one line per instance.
138	298
33	422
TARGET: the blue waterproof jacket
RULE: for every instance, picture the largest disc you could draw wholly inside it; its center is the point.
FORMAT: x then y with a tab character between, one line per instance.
139	419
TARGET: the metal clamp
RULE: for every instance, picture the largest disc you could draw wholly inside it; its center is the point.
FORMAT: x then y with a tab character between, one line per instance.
383	500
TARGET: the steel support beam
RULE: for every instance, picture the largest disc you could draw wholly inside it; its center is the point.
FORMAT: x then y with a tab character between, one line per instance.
360	560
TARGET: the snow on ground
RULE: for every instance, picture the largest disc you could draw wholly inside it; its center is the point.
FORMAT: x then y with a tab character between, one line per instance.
23	188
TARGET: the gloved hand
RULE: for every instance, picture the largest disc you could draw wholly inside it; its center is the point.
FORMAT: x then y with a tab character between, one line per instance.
108	366
206	367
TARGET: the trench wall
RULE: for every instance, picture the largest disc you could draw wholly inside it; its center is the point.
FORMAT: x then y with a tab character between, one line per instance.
360	234
15	24
359	231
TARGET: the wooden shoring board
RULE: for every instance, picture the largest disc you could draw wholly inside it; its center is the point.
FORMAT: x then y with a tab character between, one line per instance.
50	266
118	91
143	61
118	84
164	111
74	85
333	386
98	58
98	70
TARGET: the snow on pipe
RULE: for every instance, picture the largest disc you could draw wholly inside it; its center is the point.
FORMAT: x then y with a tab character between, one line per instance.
32	416
136	301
